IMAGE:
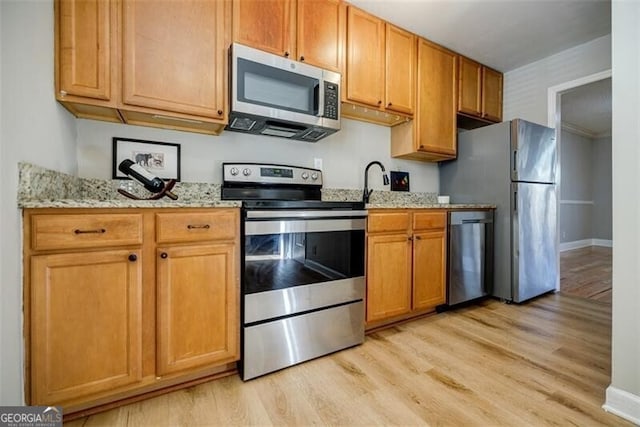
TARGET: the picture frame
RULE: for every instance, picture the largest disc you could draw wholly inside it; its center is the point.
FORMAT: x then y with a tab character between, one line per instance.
161	159
399	181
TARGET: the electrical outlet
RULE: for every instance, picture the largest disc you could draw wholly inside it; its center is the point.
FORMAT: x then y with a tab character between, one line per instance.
317	163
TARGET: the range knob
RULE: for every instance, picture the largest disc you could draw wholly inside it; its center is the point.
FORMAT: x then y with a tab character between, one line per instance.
234	171
314	176
305	175
246	172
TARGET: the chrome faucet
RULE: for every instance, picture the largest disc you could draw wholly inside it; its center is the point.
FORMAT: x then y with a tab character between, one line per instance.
385	180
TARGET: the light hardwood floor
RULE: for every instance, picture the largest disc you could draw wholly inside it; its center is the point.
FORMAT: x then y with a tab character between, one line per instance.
545	362
586	272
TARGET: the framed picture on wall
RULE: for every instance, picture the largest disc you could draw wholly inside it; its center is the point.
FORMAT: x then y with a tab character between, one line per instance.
399	181
161	159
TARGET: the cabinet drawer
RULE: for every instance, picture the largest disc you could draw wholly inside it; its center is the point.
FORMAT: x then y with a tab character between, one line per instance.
196	226
387	221
83	231
429	220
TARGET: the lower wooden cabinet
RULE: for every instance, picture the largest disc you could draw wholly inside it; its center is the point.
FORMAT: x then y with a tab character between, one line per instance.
86	323
197	304
109	317
406	263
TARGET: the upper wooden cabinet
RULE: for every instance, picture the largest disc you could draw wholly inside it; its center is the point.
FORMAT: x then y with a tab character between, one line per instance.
400	70
173	62
380	69
479	90
267	25
431	136
86	72
321	33
313	32
172	53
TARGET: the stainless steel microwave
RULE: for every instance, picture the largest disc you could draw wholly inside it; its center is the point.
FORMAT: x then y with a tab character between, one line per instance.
274	96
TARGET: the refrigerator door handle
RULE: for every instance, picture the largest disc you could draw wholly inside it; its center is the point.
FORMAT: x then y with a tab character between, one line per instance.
515	201
515	163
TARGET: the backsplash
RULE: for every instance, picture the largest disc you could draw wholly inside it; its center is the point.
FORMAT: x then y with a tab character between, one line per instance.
37	183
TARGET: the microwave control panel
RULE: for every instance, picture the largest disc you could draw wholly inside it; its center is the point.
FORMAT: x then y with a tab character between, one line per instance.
331	100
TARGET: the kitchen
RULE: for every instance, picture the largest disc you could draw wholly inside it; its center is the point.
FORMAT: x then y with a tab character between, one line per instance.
60	142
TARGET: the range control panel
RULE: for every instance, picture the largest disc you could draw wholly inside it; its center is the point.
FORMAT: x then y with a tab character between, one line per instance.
265	173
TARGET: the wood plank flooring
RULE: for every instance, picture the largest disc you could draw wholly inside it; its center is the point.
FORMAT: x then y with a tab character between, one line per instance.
542	363
586	272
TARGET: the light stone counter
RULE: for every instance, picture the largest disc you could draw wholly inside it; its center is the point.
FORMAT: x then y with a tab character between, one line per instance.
43	188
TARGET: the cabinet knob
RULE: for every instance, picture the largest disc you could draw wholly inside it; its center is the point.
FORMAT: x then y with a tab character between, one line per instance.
379	102
286	54
418	238
164	255
409	238
422	147
133	257
219	112
302	58
389	104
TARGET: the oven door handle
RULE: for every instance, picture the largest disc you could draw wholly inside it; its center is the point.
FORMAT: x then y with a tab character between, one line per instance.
283	214
256	228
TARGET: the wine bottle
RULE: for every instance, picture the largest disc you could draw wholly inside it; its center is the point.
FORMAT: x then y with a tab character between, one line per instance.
140	174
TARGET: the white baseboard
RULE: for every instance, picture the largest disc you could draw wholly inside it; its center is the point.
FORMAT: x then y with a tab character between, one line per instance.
577	244
623	404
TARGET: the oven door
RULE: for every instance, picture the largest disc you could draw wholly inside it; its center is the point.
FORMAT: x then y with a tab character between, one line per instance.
301	261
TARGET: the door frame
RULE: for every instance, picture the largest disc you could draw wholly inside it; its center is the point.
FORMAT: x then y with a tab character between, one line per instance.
554	120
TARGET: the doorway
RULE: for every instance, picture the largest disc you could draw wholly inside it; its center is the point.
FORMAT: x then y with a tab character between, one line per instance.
583	121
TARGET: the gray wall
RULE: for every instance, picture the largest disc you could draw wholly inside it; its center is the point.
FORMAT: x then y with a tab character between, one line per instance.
602	186
33	128
585	192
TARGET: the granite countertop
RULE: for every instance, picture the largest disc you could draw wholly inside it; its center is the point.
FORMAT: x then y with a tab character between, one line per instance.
43	188
391	205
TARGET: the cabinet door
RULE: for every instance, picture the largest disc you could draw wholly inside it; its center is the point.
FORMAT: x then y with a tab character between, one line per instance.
321	33
469	87
435	119
85	48
174	56
491	94
388	276
429	269
86	324
365	58
198	324
400	69
266	25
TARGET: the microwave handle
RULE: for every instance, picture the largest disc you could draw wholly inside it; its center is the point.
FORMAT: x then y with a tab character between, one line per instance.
318	98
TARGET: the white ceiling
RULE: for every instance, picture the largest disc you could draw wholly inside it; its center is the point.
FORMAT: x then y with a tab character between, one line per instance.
503	34
587	109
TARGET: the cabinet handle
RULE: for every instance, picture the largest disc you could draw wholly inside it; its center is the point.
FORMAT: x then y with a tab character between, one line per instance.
164	255
286	54
418	238
96	231
204	226
220	112
409	238
133	257
302	58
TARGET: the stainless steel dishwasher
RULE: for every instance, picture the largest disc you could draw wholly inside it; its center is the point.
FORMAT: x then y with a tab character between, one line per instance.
470	261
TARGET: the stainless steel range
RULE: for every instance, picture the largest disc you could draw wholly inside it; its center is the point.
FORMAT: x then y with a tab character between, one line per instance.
302	281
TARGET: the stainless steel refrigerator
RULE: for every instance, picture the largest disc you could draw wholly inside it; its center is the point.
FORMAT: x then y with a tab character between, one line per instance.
514	166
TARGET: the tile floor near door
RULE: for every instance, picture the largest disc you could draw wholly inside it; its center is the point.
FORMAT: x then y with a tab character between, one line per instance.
544	362
586	272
